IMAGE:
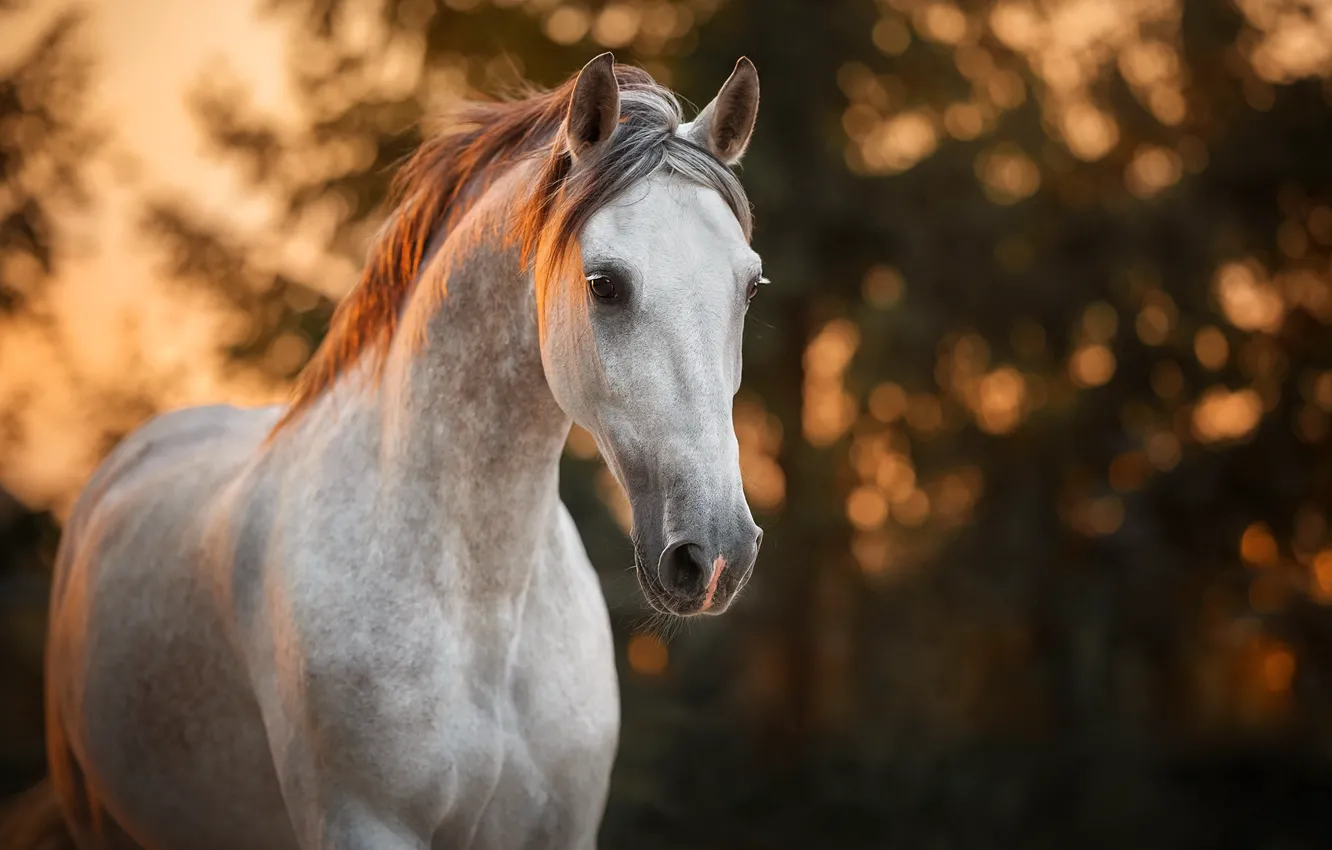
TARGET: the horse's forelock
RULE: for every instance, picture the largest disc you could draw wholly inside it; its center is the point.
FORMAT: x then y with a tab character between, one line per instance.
645	142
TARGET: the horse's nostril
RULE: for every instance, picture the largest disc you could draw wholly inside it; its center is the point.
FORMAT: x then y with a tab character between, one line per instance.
758	541
683	569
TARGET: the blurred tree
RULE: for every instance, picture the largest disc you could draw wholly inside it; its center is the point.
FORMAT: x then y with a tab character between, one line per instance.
44	143
27	547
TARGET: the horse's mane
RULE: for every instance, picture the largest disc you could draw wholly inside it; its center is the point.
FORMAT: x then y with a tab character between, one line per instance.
438	183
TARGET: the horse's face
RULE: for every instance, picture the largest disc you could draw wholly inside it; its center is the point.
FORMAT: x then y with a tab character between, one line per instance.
668	281
644	352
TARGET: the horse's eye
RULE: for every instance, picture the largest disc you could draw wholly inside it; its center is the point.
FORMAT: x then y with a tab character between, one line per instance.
754	286
603	287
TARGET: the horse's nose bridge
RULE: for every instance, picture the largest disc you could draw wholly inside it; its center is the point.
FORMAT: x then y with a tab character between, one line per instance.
697	354
704	501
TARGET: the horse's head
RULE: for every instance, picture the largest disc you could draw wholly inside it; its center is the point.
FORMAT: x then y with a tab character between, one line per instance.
641	343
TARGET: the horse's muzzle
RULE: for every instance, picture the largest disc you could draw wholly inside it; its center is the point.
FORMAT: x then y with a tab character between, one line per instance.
693	577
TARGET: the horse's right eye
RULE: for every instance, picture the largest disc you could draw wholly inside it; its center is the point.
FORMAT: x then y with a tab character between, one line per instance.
602	286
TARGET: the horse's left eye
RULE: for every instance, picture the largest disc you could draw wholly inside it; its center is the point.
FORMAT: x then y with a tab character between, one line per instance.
603	287
753	287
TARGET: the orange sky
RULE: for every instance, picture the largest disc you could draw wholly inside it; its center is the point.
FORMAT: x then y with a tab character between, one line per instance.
120	328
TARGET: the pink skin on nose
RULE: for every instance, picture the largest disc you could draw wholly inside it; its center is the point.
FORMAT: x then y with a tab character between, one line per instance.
718	566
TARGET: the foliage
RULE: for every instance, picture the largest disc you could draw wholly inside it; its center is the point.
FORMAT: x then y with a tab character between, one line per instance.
42	145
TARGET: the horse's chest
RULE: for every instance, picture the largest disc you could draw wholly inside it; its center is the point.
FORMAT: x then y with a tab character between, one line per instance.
558	739
497	719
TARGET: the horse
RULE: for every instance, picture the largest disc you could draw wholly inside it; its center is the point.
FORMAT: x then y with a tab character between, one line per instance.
364	620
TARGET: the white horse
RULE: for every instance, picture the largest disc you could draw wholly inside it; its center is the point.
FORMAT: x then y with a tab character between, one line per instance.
366	621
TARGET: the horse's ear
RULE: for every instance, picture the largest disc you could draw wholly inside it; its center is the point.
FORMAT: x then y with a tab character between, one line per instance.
594	107
726	125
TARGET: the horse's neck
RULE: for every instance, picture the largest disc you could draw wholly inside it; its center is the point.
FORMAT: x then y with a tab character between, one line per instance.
469	435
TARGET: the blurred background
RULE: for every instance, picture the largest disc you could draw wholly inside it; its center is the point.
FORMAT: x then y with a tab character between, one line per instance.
1035	414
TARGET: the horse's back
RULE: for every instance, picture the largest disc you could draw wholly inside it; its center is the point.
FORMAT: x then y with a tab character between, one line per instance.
147	701
202	440
168	456
151	492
